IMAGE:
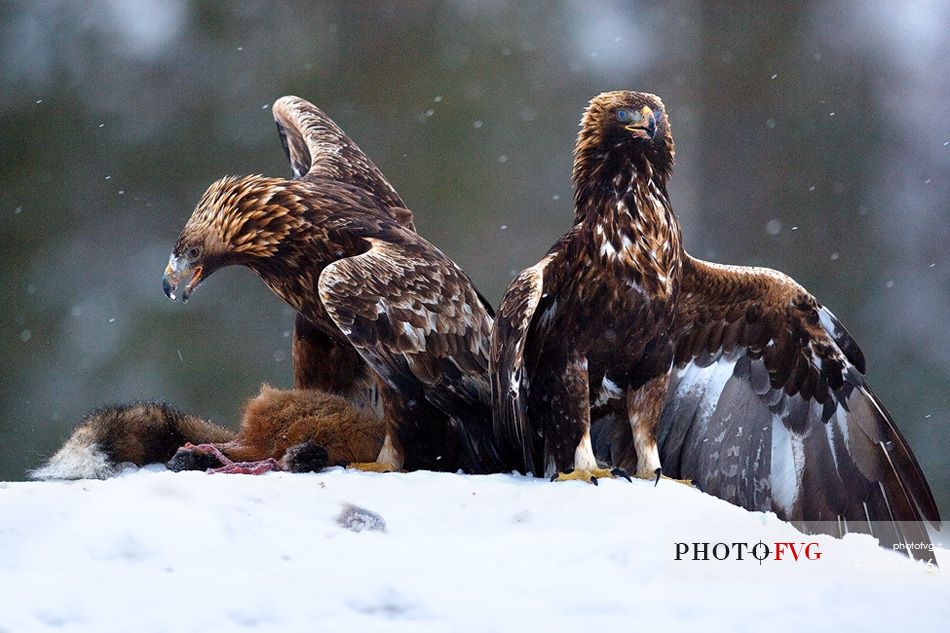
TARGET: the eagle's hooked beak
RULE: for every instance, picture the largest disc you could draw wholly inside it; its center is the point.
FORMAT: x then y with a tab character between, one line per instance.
645	126
177	270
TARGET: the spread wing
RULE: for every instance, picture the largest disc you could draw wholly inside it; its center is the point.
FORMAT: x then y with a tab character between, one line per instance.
317	148
417	319
519	327
768	408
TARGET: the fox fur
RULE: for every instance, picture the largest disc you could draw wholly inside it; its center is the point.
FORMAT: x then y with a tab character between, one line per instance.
304	429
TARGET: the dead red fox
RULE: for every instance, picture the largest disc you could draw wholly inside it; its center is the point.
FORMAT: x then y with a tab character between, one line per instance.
297	430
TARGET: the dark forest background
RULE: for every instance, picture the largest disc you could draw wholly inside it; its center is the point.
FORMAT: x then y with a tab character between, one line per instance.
812	138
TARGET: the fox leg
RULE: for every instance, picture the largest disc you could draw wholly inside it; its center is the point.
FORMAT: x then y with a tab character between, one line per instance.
197	457
202	457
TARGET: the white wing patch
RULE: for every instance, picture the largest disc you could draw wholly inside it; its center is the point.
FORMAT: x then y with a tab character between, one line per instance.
788	460
707	381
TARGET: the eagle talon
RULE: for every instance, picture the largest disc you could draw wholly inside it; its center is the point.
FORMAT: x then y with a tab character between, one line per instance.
660	475
620	472
373	467
583	474
685	482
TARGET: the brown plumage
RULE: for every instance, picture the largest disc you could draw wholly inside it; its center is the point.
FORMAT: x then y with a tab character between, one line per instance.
589	325
360	279
318	149
767	406
300	429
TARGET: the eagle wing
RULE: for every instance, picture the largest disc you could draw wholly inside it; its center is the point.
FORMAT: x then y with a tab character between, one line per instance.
520	326
768	408
417	319
317	148
509	379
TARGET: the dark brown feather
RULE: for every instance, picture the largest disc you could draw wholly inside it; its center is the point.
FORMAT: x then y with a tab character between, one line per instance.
832	458
317	148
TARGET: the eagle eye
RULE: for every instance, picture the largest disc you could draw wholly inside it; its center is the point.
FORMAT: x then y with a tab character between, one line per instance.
628	116
193	253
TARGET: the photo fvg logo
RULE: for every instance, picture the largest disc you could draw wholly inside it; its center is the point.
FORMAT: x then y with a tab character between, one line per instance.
761	551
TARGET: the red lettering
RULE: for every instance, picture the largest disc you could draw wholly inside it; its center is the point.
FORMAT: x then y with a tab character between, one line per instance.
797	550
779	550
794	550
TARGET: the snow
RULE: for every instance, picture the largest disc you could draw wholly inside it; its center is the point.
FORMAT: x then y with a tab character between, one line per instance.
343	550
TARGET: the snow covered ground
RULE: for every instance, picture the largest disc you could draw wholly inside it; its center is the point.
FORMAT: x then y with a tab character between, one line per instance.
158	551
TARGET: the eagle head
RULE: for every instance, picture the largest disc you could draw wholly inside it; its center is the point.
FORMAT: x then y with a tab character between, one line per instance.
237	221
624	126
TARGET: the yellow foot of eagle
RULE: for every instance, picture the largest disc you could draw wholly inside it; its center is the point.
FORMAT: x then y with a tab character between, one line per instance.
659	475
373	467
590	476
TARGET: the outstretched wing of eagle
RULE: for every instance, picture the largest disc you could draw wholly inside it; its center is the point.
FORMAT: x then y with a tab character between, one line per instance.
319	150
768	408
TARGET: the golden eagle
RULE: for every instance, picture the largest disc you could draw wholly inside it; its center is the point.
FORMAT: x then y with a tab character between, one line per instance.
620	344
590	325
338	246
